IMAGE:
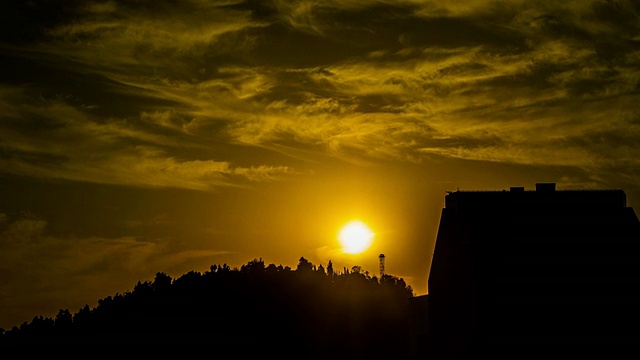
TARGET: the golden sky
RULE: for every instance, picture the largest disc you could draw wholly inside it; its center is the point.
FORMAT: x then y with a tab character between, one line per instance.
166	136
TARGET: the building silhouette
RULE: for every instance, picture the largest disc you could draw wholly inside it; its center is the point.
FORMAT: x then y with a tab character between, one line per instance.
535	274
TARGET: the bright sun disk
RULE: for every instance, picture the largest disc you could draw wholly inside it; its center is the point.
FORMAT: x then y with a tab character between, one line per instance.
355	237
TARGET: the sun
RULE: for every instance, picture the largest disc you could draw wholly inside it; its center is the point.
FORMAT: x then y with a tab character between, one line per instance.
355	237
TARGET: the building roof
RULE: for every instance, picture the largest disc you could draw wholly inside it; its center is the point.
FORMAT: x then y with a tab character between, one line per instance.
545	196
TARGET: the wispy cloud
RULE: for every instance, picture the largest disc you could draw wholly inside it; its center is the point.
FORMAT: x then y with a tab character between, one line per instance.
54	139
548	83
33	261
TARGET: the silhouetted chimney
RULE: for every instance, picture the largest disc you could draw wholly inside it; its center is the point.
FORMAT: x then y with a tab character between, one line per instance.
546	187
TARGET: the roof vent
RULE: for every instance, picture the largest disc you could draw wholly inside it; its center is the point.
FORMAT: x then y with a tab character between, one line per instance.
546	187
516	189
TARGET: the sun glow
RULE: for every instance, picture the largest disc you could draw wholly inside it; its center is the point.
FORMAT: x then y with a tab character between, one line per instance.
355	237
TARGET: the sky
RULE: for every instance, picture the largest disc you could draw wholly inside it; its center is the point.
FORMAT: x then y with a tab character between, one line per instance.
151	136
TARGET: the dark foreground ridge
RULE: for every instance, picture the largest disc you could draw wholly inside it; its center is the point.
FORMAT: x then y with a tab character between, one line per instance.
541	274
256	311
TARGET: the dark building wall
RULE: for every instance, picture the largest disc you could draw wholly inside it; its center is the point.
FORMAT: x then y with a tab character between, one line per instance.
518	269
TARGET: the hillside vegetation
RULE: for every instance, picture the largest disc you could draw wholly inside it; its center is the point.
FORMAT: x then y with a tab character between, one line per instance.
252	311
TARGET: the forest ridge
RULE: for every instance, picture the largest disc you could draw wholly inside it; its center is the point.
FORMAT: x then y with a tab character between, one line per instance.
254	310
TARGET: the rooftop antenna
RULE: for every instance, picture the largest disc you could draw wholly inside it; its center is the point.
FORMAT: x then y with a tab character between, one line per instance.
381	257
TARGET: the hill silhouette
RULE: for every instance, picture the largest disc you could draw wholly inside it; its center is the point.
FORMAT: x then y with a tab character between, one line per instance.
256	310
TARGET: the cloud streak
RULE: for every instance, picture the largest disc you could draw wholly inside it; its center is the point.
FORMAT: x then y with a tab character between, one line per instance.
360	81
33	261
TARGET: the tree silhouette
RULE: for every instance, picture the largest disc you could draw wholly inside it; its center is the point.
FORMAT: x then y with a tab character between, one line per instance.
330	268
256	310
304	265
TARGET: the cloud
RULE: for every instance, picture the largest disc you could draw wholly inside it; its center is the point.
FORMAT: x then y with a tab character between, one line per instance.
73	144
53	272
154	84
24	242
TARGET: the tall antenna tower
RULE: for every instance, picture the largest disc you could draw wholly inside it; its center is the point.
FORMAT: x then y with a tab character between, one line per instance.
381	257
